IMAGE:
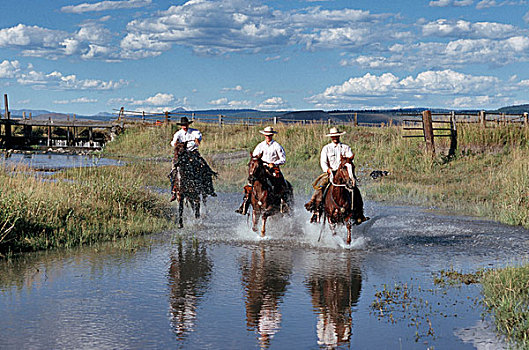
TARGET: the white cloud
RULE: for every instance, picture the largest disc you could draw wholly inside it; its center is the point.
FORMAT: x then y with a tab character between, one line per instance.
236	88
464	29
76	100
387	88
9	69
219	102
92	40
447	3
457	53
59	81
273	103
218	27
105	5
441	3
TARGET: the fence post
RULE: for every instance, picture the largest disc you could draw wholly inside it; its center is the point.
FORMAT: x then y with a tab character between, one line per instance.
220	120
193	116
7	126
428	131
453	134
49	132
166	117
526	119
275	120
356	119
482	119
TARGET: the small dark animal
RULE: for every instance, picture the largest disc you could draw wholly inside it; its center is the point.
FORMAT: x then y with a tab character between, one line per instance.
375	174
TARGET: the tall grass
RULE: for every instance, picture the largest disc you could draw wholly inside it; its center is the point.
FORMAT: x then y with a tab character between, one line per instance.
506	295
81	206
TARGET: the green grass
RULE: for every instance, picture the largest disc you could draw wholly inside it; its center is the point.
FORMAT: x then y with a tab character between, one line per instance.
81	206
506	295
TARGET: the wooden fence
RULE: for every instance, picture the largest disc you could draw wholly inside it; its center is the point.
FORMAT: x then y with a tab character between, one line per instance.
448	122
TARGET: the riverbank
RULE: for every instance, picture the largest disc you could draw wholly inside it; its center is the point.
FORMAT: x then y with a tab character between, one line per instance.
75	207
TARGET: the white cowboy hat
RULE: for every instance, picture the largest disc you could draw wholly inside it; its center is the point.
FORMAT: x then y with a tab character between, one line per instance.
268	131
335	132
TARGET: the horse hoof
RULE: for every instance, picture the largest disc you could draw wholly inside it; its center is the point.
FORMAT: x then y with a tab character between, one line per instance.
254	229
180	225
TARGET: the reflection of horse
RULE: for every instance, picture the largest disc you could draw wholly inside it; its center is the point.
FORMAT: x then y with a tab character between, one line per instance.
189	274
265	278
184	182
269	194
342	201
334	293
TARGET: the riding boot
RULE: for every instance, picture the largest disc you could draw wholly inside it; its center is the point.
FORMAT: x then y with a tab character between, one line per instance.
173	197
243	209
314	202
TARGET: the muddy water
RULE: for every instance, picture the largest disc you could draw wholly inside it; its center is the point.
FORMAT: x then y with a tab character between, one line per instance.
215	284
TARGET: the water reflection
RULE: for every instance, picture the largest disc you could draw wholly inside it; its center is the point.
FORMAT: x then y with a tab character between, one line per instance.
265	277
335	289
189	275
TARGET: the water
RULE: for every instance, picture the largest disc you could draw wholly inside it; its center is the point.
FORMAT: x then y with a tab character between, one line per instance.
52	161
216	284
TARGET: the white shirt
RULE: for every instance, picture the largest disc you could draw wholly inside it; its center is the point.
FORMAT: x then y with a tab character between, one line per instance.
190	135
330	155
271	153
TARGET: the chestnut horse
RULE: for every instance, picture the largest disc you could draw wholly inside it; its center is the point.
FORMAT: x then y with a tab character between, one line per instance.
342	202
265	196
184	181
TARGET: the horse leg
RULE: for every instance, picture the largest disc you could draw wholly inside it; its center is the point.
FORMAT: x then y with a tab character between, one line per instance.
255	218
332	225
197	208
263	227
349	226
181	212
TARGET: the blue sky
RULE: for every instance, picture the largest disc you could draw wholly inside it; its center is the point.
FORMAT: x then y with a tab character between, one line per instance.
89	56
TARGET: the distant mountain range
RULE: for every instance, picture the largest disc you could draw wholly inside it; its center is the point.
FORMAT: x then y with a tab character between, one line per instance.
363	116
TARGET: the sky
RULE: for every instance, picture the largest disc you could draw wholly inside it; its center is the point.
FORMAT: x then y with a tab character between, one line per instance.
88	57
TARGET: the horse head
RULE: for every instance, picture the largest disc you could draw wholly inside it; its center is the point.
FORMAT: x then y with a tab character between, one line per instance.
345	174
255	168
180	149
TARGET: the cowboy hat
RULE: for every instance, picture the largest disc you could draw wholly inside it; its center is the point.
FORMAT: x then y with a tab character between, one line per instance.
268	131
184	121
335	132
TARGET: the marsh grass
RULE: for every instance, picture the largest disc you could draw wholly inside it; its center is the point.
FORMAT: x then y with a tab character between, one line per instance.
80	206
506	296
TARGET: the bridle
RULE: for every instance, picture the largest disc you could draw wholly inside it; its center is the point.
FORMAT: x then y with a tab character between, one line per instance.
348	187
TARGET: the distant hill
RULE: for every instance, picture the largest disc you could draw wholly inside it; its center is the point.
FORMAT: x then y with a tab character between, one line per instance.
519	109
34	112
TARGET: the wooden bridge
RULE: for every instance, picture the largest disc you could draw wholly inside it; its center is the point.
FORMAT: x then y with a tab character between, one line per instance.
53	133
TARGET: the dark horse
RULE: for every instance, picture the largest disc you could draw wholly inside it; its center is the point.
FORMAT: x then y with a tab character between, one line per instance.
184	182
342	202
266	193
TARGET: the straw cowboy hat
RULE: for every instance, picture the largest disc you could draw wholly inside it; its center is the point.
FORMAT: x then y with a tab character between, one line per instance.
268	131
335	132
184	121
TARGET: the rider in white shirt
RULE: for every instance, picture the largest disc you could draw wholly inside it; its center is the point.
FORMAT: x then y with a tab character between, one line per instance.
273	155
193	137
329	161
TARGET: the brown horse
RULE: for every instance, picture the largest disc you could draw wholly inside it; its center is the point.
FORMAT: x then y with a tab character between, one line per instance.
184	182
342	202
266	193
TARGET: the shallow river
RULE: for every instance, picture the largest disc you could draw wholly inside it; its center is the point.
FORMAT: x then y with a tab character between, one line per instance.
53	161
216	285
